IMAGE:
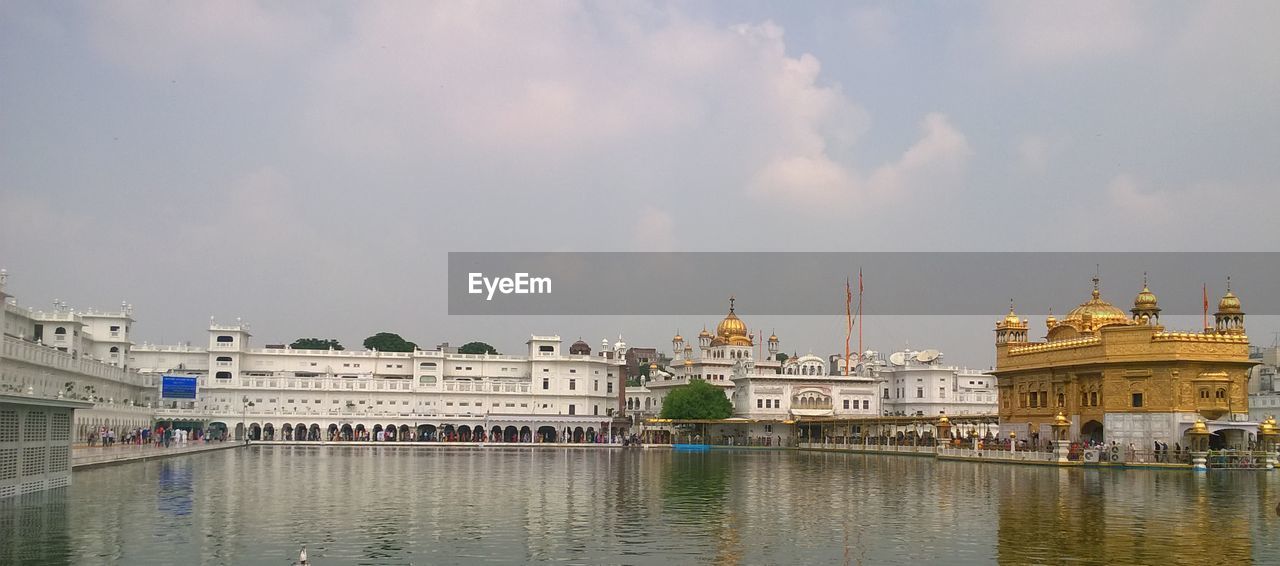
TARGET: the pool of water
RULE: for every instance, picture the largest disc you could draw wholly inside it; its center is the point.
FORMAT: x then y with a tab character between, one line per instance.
404	505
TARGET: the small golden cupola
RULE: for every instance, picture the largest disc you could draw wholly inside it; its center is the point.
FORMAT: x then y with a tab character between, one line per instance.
1146	309
1011	329
1230	316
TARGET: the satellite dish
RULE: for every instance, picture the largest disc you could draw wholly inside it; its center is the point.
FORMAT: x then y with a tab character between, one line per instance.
898	358
927	356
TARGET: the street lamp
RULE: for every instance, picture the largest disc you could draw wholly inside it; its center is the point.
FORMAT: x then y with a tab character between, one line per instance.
244	414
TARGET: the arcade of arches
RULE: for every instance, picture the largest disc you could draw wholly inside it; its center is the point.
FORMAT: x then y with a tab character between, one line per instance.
577	432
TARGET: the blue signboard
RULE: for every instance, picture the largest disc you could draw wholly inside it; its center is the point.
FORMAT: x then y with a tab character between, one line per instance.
177	387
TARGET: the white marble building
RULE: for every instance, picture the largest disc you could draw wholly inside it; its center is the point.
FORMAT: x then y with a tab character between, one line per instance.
74	355
918	383
287	394
761	387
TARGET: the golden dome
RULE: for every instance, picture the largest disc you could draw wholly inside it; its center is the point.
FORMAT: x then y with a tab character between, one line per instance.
1095	313
773	337
1061	420
732	330
1145	298
1229	303
1050	321
704	333
678	338
653	365
1012	317
1199	428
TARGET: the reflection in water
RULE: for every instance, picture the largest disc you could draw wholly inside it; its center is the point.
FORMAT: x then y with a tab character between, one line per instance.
401	505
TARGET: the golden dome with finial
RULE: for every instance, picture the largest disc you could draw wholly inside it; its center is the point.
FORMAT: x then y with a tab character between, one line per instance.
1012	317
1050	321
704	333
1145	297
732	330
1230	302
1095	313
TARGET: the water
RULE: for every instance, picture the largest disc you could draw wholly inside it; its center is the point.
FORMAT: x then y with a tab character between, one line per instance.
389	505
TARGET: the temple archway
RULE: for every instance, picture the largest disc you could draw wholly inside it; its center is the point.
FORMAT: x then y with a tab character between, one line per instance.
464	433
255	432
1091	432
405	433
268	432
426	432
346	433
511	434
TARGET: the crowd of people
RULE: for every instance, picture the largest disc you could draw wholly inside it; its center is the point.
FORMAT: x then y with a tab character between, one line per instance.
160	436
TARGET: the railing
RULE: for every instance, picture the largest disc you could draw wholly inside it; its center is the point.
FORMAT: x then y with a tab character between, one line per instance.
985	453
30	352
1239	460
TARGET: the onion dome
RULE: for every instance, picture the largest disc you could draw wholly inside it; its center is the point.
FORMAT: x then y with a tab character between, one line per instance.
1096	313
732	330
1229	303
704	333
1050	321
1145	298
773	337
678	338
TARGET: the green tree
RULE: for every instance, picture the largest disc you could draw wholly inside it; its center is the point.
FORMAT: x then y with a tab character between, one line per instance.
477	348
315	344
697	400
388	342
781	357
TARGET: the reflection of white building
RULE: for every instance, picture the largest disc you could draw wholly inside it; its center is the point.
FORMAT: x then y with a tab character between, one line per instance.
761	387
918	383
74	355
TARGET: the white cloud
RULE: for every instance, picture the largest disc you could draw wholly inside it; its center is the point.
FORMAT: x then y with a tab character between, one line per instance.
1135	201
1055	33
815	180
234	37
654	231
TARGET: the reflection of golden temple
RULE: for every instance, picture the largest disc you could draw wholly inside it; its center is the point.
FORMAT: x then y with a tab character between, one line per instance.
1123	377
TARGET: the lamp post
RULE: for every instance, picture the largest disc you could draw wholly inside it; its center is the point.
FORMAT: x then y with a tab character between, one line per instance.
244	417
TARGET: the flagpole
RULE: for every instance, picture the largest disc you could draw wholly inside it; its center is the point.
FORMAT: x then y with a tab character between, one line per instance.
1204	322
848	322
860	350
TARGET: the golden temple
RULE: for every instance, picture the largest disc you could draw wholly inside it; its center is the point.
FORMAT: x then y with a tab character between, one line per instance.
1124	377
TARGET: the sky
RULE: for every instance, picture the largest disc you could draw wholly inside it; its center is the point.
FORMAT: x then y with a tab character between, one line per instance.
307	166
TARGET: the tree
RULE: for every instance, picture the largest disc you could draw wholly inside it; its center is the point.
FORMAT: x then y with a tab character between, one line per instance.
697	400
781	357
388	342
477	348
315	344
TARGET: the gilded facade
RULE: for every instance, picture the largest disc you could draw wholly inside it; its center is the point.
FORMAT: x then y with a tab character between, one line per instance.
1122	376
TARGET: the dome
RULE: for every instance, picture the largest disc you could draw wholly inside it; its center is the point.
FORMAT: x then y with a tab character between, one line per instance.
678	338
580	348
773	337
704	333
1095	313
1145	298
732	330
1229	303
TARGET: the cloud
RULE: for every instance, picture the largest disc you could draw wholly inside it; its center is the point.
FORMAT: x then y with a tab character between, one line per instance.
228	38
815	180
1058	33
1134	201
654	231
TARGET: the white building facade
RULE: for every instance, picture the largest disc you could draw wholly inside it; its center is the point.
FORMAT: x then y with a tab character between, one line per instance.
546	395
917	383
765	392
74	355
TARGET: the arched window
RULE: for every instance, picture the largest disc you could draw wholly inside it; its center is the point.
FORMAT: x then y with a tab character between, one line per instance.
427	366
115	349
224	339
1221	393
223	375
60	330
224	358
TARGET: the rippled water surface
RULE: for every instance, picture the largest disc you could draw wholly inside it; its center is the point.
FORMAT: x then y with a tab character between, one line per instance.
389	505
